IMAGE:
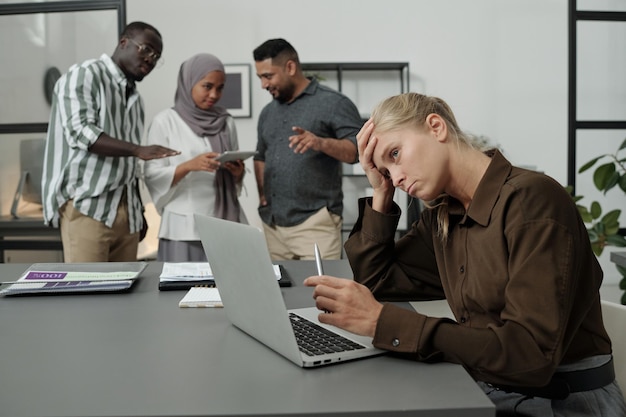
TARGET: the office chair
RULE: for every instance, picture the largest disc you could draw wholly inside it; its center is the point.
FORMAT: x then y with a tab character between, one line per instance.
614	316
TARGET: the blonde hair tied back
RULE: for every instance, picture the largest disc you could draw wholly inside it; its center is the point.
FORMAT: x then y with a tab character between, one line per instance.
411	110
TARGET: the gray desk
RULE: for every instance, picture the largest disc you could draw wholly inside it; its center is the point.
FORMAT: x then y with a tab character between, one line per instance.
139	354
619	258
26	233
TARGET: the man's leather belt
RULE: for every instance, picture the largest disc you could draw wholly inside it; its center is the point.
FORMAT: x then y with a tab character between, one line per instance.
564	383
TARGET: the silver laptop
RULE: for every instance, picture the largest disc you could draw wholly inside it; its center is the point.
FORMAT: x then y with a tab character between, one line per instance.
252	298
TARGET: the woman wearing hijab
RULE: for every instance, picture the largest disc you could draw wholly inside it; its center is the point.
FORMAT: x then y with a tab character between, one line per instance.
194	182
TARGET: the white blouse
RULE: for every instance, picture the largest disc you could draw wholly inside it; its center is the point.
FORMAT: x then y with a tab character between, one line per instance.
195	193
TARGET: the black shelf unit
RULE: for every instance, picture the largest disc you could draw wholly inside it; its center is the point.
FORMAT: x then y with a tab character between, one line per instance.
574	124
402	68
340	69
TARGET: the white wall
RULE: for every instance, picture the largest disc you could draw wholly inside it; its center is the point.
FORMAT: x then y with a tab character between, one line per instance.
480	56
500	64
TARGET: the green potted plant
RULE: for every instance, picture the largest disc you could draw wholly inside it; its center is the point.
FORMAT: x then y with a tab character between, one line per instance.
604	228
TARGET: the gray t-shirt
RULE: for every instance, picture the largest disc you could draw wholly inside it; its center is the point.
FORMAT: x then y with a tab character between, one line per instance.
298	185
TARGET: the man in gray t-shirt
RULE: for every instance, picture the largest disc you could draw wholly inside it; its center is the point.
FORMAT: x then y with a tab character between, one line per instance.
303	136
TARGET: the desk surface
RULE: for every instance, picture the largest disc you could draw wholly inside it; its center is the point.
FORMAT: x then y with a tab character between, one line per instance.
619	258
24	226
27	233
139	354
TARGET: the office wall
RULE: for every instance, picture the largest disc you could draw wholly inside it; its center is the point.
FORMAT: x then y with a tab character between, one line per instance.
500	64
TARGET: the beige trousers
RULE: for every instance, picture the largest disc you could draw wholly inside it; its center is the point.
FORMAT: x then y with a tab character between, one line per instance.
88	240
297	242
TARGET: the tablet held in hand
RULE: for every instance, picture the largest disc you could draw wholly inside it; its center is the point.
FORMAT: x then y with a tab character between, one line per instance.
234	155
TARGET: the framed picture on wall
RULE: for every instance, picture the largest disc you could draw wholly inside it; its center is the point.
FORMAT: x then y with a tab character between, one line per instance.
236	94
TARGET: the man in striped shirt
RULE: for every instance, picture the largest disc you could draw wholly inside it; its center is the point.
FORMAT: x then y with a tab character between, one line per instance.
90	181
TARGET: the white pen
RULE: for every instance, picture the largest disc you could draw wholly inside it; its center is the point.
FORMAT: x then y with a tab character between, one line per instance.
320	267
318	261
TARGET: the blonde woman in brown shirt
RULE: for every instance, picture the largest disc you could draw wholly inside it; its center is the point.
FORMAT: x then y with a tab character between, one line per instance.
505	246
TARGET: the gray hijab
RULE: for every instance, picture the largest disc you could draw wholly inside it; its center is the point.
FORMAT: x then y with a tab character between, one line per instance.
211	124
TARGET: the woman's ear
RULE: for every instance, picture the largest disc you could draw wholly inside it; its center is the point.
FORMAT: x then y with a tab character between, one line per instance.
437	126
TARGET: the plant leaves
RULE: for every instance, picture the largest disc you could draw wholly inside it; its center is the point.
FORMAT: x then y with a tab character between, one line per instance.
602	175
616	240
622	183
611	229
596	210
590	164
612	216
584	213
612	182
599	228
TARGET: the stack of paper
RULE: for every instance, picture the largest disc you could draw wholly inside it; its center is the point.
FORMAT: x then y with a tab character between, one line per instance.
187	271
184	275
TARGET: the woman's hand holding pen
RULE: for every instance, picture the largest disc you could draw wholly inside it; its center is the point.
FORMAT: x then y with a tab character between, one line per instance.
346	304
383	187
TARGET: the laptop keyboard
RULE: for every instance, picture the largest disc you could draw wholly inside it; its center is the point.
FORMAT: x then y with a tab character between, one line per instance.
315	340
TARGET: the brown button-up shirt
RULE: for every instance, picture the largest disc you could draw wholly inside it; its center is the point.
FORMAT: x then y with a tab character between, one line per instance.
517	270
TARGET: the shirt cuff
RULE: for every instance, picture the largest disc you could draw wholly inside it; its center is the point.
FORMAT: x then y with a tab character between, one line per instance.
88	136
378	226
398	329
